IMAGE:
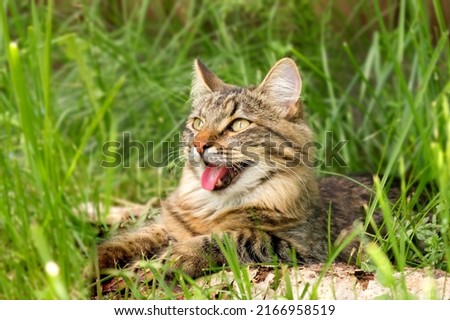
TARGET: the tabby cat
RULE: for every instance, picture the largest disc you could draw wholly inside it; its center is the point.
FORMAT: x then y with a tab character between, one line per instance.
248	177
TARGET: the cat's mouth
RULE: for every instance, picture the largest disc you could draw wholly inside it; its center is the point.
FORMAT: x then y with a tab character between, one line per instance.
216	177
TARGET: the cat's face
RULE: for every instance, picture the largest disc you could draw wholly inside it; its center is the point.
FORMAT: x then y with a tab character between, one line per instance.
238	138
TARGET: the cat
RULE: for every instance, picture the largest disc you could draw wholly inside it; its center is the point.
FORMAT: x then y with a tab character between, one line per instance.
249	177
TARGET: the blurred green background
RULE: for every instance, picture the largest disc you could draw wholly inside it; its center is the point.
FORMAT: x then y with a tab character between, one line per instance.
77	74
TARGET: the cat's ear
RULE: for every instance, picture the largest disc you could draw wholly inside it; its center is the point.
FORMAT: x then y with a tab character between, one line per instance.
282	87
205	81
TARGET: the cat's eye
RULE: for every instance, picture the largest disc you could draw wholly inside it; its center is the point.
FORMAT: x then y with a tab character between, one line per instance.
239	125
197	124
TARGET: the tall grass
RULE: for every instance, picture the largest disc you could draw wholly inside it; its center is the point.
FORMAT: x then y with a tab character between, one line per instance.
75	75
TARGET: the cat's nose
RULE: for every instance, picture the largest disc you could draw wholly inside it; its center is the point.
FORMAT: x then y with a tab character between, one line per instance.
202	145
202	141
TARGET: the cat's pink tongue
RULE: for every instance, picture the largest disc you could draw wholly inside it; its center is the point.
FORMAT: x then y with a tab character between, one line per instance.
212	175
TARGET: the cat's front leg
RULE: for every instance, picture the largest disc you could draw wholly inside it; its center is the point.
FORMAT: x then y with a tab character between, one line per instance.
194	256
125	248
198	254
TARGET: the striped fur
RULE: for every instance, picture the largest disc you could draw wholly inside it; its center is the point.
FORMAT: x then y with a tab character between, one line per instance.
269	211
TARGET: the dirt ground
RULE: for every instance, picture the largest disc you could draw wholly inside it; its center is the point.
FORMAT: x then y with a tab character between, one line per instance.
342	282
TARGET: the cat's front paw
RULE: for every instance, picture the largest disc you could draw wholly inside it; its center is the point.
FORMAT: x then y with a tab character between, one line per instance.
111	256
191	259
